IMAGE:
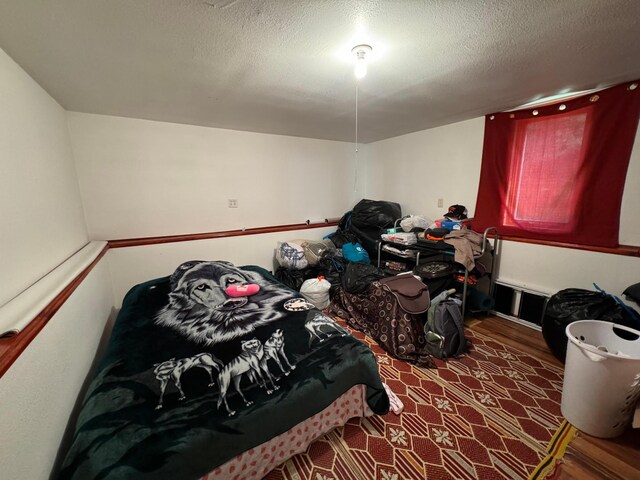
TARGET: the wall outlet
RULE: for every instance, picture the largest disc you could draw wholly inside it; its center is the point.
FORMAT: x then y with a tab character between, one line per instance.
440	202
233	203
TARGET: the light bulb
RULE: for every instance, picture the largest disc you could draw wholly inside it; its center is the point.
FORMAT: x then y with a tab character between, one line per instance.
360	52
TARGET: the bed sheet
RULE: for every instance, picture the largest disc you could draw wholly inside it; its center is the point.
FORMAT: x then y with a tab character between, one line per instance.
260	460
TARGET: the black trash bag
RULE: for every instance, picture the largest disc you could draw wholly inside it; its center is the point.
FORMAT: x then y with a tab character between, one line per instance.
633	292
345	222
332	267
368	237
573	304
375	213
310	272
292	278
358	277
340	237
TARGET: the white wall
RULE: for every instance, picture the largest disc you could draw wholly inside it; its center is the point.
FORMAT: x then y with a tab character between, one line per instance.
39	392
41	217
549	269
41	225
133	265
417	169
142	178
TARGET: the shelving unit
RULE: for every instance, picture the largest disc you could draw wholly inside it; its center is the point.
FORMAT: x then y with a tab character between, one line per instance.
425	250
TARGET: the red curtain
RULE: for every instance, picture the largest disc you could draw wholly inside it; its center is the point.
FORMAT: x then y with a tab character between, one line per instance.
557	172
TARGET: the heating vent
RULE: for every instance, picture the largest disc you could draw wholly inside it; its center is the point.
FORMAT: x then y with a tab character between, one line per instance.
519	303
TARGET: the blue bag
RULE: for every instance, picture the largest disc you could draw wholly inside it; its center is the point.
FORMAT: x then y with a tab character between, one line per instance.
353	252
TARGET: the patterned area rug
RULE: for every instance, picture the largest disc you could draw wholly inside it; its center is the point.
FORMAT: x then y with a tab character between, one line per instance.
489	415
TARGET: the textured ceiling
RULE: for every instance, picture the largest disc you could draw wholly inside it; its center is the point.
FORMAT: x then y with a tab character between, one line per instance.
284	66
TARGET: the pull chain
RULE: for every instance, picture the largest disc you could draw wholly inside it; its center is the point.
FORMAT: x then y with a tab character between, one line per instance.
355	177
356	118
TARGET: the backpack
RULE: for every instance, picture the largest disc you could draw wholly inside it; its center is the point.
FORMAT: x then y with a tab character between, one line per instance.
444	330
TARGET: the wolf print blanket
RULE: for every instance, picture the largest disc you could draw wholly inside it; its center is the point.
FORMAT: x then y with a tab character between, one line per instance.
206	364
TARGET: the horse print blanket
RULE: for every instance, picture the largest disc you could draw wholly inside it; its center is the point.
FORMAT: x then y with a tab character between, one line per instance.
206	364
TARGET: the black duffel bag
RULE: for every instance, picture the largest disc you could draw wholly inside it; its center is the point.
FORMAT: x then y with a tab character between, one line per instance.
375	214
573	304
358	277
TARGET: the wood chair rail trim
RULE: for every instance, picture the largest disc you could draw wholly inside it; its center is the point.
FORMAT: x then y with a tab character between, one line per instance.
12	347
626	250
136	242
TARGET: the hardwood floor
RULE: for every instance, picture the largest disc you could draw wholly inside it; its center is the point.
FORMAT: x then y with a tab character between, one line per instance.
586	457
519	336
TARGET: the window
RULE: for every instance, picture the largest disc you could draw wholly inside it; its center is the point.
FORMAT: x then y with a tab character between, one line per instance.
557	172
548	155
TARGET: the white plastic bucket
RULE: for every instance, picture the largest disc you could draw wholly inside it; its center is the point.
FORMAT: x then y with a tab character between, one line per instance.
601	377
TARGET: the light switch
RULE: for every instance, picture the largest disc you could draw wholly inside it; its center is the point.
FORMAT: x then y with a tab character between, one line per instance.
233	203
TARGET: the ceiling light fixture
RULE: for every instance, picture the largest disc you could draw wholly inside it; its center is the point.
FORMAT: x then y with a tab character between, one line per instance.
360	51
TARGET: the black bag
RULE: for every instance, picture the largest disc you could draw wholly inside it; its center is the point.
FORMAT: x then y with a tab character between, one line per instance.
294	278
368	237
345	222
444	330
633	292
375	213
332	268
358	277
340	237
573	304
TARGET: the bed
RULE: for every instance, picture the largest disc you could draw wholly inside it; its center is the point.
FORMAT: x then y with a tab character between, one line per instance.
217	369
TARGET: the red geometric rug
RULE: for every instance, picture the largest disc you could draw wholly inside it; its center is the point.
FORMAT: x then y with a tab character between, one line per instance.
488	415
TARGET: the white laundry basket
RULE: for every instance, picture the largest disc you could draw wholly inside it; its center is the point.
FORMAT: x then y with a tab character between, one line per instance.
601	377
